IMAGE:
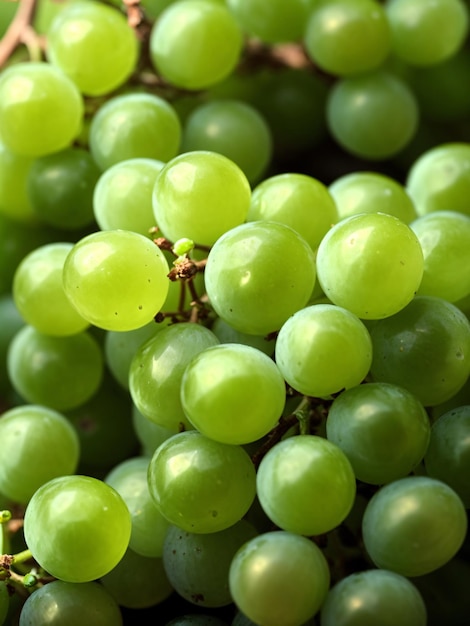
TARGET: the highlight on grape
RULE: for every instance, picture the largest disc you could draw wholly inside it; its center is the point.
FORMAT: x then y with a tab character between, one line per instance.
234	312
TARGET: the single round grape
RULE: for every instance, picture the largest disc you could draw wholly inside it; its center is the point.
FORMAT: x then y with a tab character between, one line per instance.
201	485
414	525
322	349
279	578
271	21
116	279
200	195
371	264
183	41
374	597
94	45
258	274
77	528
41	109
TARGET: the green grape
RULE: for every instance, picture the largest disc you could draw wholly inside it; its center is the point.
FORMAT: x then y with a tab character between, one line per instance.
414	525
41	109
10	323
232	393
372	115
258	274
201	485
4	602
39	293
346	37
14	173
38	444
123	195
200	195
233	128
227	334
94	45
383	430
197	565
371	192
129	479
149	434
132	126
138	582
58	372
271	21
157	369
448	455
116	279
427	33
279	578
306	485
77	528
445	239
424	348
371	264
45	12
74	604
374	597
60	188
297	200
322	349
184	39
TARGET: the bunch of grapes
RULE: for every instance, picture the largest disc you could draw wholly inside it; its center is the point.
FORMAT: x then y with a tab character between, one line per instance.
234	312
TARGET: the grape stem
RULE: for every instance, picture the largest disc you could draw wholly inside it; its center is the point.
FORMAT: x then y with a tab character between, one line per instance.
20	31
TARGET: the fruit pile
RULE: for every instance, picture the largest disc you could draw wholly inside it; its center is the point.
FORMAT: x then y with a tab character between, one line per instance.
234	312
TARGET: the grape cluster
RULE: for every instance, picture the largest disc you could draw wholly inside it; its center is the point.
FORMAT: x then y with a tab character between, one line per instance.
234	312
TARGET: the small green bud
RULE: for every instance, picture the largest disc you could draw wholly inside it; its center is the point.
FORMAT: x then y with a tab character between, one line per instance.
183	246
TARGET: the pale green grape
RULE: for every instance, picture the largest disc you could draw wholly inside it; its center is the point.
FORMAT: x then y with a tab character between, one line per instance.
374	597
448	455
201	485
14	200
58	372
132	126
77	528
227	334
74	604
197	565
279	578
38	444
371	264
157	369
271	21
322	349
200	195
427	33
383	429
414	525
372	115
445	239
233	393
41	109
297	200
371	192
116	279
123	195
258	274
94	45
195	44
39	293
306	485
424	348
233	128
346	37
129	478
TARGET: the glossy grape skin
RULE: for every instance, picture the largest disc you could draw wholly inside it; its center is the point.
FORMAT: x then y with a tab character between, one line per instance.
371	264
183	40
424	348
414	525
201	485
250	284
374	597
306	485
279	578
116	279
77	528
45	121
322	349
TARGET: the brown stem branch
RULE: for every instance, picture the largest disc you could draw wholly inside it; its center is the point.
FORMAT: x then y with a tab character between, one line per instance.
15	33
